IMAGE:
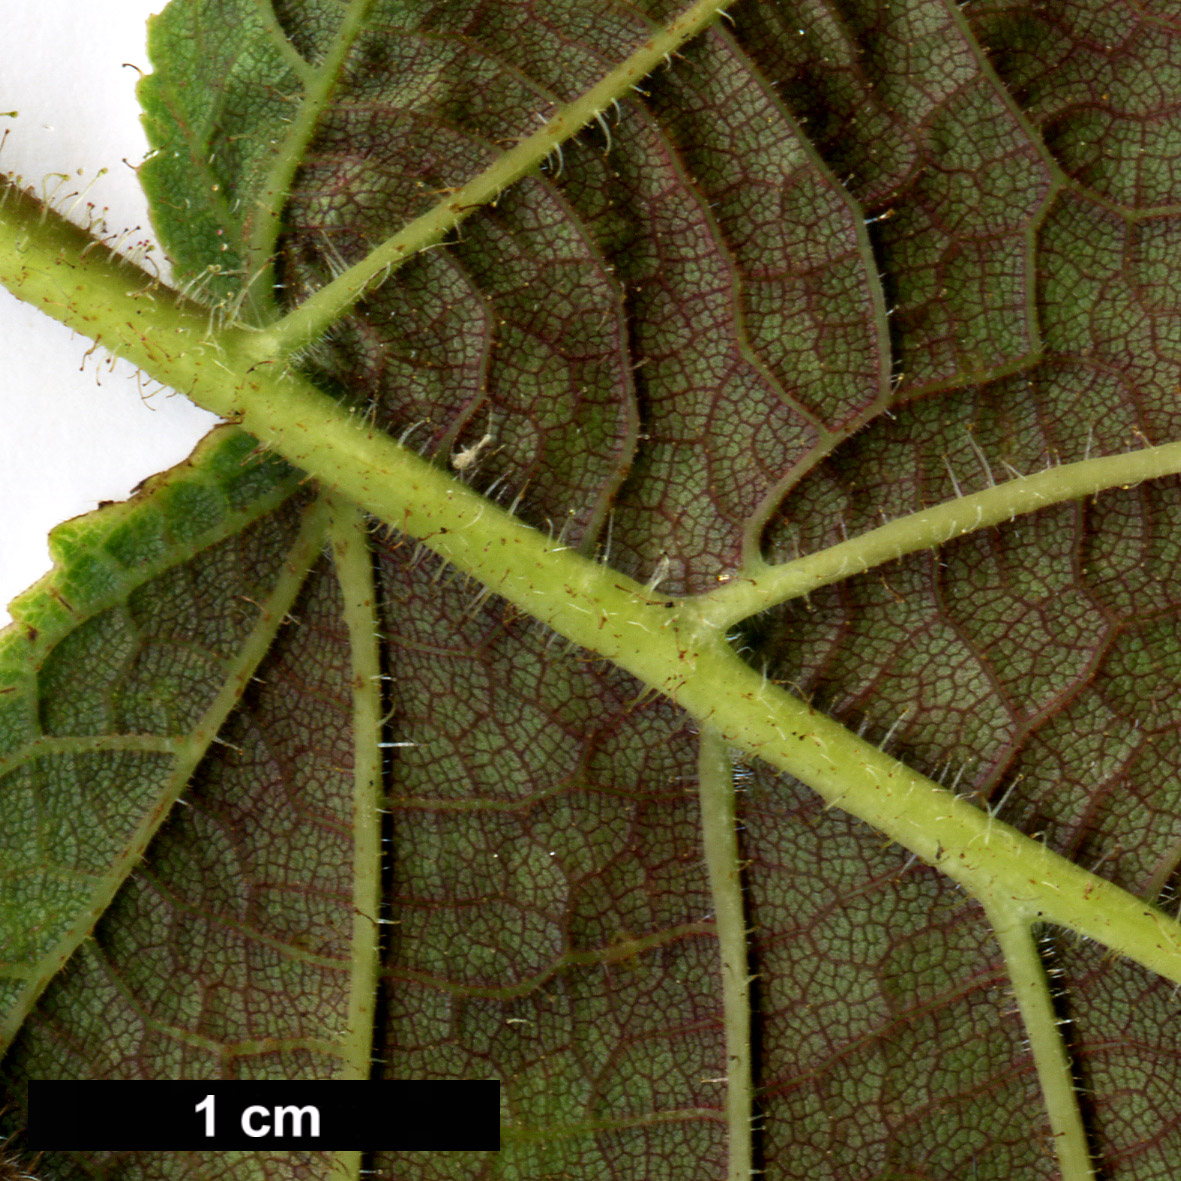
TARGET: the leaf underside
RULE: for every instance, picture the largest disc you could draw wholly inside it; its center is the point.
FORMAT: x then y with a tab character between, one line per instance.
836	262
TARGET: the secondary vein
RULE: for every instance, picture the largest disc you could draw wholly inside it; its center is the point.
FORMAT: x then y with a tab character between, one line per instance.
317	313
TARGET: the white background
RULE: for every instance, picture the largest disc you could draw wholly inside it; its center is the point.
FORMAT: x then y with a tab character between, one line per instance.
70	437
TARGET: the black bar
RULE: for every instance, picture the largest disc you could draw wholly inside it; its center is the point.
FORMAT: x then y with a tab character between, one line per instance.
400	1116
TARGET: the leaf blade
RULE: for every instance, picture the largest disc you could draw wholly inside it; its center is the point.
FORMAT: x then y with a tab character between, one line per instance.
143	722
945	656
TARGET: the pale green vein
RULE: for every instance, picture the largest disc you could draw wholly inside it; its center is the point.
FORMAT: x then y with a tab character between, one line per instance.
45	747
350	547
758	590
1032	989
190	751
351	554
302	69
349	535
719	835
317	313
276	187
